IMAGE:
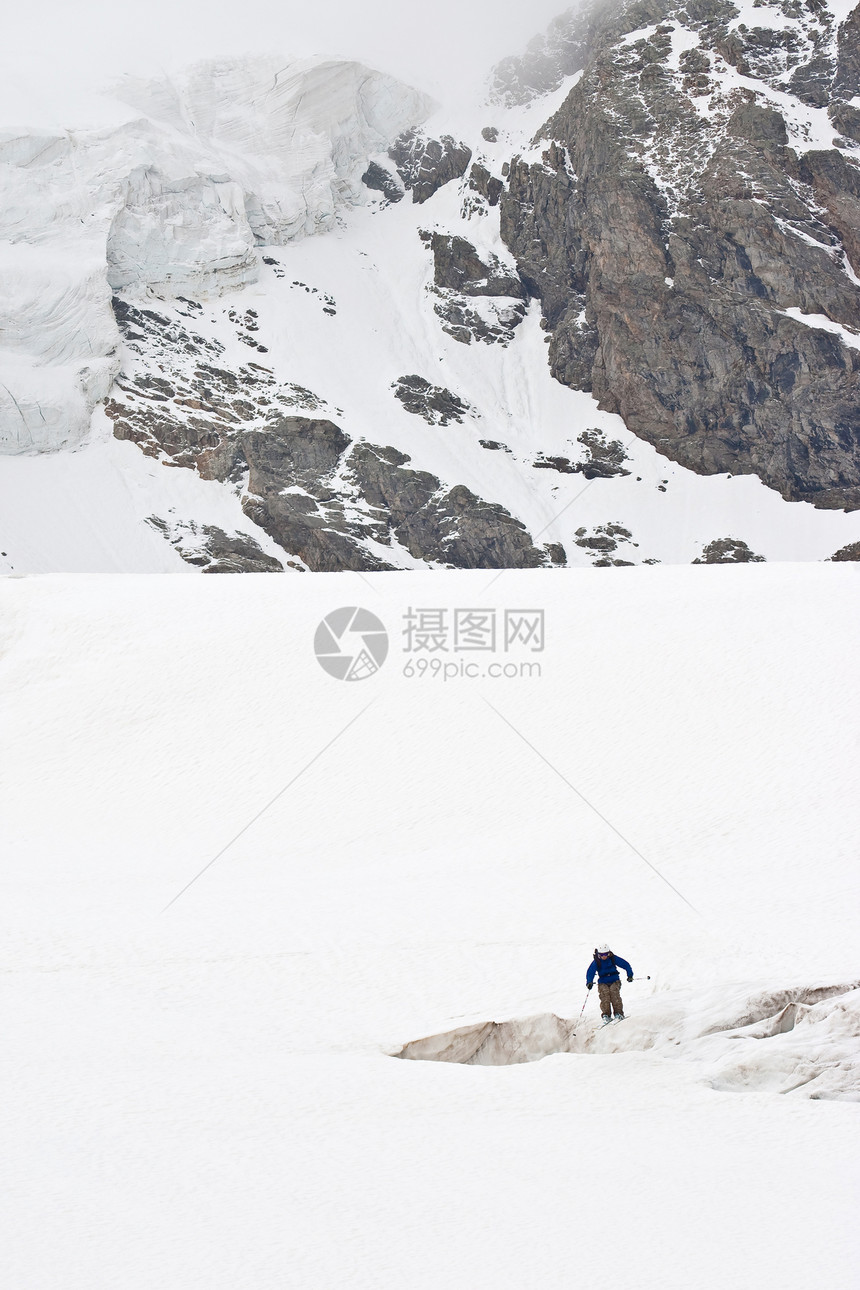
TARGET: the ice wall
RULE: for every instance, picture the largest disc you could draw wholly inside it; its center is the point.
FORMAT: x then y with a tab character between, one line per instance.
174	200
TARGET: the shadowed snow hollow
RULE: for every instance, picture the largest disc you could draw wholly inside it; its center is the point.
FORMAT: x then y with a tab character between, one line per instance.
224	157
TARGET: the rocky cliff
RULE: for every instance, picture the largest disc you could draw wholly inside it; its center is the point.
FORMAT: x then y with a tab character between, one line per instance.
690	221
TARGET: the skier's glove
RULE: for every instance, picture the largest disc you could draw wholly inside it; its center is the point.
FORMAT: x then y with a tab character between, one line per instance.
630	978
590	985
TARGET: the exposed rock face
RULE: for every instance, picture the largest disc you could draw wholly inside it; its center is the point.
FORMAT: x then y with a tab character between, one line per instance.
461	278
494	324
604	458
728	551
562	464
301	479
486	184
292	495
214	551
458	267
438	406
379	179
603	541
849	552
425	165
453	527
677	253
196	412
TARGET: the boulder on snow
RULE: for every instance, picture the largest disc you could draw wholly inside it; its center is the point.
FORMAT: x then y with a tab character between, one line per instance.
434	403
728	551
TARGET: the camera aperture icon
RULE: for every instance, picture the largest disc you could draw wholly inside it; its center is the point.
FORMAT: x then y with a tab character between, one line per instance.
351	644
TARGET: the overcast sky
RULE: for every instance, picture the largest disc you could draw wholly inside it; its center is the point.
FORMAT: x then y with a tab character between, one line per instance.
435	46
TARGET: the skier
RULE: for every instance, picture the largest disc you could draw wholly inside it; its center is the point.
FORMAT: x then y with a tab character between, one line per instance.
606	965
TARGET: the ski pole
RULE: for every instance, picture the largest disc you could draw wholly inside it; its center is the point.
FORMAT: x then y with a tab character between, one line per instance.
579	1018
641	978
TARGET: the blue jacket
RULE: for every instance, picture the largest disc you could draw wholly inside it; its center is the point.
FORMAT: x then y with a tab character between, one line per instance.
606	970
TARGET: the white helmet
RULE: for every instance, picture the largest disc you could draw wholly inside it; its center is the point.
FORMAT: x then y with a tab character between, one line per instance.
604	949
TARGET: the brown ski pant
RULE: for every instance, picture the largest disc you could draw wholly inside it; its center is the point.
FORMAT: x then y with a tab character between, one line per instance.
610	997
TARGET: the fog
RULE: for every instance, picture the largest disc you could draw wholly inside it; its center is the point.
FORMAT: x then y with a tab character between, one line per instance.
445	48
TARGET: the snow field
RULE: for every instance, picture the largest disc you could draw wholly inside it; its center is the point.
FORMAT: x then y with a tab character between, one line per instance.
204	1096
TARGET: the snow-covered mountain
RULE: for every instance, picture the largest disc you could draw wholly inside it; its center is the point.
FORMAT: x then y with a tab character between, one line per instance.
265	838
294	315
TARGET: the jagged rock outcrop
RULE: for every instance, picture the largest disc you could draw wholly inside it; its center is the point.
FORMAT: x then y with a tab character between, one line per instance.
684	258
484	182
849	552
461	279
426	165
603	541
452	527
437	406
728	551
212	550
458	267
302	480
194	410
603	459
563	465
380	180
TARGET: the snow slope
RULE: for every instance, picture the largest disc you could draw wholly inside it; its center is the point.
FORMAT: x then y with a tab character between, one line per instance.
204	1094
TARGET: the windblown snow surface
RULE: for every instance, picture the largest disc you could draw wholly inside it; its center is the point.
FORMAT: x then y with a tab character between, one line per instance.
204	1090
